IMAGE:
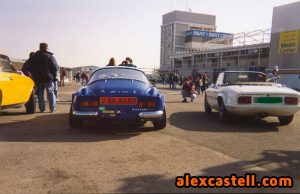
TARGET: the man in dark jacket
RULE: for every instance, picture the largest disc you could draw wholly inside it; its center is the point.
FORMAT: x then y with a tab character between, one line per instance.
44	69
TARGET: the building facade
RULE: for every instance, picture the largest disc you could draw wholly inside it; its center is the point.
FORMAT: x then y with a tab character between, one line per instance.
285	44
173	33
190	42
249	58
285	37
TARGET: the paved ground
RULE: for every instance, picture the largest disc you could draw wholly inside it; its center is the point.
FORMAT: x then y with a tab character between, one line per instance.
40	153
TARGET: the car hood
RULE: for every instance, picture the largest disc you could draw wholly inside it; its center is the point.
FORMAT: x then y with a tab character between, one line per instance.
118	87
276	89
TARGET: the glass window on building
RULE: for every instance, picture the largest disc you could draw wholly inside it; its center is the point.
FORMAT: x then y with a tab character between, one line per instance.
196	28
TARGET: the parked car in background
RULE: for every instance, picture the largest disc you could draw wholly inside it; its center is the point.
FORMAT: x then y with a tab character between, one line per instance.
15	90
247	93
118	94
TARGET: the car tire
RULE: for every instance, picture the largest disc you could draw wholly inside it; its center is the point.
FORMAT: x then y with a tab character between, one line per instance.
223	113
285	120
74	122
161	123
207	107
31	105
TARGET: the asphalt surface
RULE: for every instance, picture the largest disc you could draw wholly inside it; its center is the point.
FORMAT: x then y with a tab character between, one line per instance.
40	153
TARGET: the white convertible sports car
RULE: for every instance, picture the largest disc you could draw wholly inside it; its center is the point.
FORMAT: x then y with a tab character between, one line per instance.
249	94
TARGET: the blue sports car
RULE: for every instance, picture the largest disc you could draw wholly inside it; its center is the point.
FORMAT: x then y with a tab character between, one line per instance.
118	94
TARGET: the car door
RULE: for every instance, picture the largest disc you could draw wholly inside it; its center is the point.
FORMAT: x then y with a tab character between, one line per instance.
22	88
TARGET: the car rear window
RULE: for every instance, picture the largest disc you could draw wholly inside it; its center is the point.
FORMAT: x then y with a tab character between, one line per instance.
118	73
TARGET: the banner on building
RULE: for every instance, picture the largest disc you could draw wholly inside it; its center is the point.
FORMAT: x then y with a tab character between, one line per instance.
288	42
206	34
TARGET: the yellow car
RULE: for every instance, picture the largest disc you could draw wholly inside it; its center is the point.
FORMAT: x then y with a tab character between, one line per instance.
15	90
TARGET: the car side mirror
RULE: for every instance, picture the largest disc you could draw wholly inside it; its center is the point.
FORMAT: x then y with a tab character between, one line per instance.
212	85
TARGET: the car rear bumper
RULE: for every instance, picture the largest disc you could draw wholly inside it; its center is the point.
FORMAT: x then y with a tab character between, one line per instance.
151	115
84	114
147	116
263	110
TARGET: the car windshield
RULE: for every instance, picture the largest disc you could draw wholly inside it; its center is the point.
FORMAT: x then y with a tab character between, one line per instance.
238	77
5	66
118	73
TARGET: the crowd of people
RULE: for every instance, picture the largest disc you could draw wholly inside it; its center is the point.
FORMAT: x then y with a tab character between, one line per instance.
195	84
81	77
128	62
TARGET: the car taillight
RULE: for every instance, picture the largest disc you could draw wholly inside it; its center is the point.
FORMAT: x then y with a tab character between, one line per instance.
245	100
291	100
89	104
146	104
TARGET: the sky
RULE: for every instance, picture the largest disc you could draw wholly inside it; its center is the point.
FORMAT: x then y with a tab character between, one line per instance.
90	32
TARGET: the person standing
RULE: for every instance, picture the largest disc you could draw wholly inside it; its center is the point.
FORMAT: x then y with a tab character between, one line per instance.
77	77
25	68
83	78
165	79
274	75
198	84
44	67
55	83
204	82
175	81
62	76
171	79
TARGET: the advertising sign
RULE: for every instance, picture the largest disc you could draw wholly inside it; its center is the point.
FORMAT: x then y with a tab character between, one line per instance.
206	34
288	42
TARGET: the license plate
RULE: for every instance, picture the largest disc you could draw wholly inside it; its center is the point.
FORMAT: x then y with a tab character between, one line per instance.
268	100
118	101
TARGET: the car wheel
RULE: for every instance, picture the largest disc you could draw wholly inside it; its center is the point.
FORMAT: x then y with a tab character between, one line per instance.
31	105
285	120
223	113
73	121
206	105
161	123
